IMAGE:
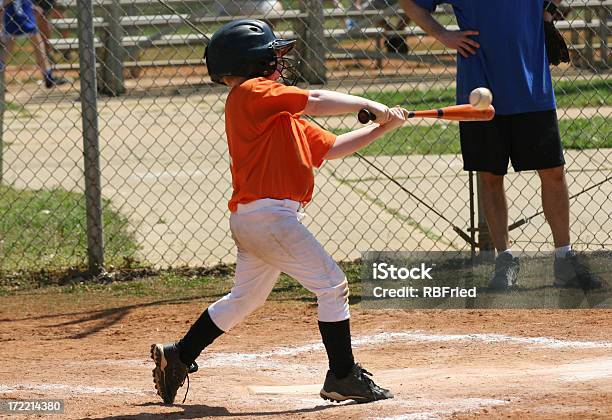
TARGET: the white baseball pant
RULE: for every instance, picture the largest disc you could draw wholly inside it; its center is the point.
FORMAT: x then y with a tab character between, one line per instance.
270	240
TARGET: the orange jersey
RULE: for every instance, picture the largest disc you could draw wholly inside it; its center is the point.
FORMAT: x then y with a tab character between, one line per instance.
273	150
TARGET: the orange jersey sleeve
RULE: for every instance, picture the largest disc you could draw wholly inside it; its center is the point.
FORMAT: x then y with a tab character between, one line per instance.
268	99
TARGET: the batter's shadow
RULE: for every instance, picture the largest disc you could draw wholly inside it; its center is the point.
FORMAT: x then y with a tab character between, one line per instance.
197	411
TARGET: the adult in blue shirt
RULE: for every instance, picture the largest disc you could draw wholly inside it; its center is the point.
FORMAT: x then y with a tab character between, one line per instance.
501	46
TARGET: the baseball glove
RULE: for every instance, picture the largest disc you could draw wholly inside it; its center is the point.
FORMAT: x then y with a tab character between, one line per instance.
556	48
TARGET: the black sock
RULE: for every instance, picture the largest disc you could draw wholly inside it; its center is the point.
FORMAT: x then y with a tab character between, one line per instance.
337	340
201	334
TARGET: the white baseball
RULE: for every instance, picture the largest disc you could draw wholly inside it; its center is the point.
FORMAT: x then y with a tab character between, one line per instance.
481	98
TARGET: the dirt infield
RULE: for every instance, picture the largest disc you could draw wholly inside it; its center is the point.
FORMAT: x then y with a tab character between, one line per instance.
92	350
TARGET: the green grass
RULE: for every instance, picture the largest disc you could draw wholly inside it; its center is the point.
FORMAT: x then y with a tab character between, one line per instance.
443	138
165	284
570	94
18	109
45	230
175	283
177	286
12	106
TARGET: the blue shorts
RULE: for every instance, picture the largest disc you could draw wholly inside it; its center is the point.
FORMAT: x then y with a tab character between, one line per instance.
19	19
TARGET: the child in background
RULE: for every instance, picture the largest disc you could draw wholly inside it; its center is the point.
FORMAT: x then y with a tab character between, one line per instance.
18	20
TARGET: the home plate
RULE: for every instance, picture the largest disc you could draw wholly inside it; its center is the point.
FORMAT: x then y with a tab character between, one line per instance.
284	389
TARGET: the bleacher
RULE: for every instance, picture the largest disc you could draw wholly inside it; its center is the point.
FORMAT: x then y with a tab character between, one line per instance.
589	34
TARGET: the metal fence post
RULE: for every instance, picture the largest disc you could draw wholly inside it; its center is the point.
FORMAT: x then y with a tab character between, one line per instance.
2	108
588	37
113	56
91	149
487	251
604	33
472	216
312	47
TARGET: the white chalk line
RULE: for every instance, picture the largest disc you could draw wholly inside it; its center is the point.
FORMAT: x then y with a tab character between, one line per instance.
284	389
570	372
586	370
73	389
265	359
239	359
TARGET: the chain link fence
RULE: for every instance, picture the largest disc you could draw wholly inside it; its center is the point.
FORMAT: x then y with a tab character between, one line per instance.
154	132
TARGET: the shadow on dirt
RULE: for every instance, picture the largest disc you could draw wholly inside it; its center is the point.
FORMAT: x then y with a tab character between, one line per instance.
105	317
200	410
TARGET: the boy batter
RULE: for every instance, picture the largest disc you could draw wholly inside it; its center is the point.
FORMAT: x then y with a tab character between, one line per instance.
273	153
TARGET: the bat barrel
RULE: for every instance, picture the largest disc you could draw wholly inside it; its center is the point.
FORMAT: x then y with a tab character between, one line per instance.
456	113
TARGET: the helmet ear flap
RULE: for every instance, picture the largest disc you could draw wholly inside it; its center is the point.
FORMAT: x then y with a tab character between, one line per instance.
263	65
215	78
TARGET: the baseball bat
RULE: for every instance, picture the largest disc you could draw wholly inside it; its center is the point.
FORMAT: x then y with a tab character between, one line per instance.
452	113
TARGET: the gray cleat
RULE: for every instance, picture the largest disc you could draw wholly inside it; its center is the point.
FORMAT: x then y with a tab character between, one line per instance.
573	272
356	386
170	372
507	268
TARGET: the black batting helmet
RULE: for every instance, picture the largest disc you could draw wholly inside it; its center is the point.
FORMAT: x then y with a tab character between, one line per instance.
247	48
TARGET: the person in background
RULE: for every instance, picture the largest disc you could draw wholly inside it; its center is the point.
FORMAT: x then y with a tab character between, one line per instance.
45	9
501	46
18	21
394	42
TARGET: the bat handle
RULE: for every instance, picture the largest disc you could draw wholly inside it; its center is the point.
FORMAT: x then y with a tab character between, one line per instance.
364	116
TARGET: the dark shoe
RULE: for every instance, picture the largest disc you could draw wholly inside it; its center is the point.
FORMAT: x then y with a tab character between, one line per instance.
507	268
55	81
170	372
356	386
573	272
396	44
